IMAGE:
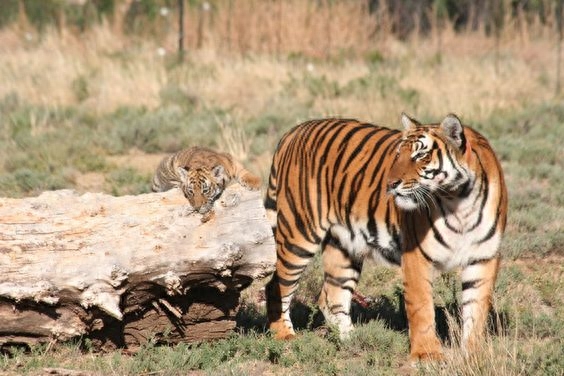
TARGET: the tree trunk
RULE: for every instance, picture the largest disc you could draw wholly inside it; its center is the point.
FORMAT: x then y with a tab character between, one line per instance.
122	270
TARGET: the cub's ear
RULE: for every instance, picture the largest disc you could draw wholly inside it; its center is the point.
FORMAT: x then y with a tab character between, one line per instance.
218	173
452	128
182	173
408	122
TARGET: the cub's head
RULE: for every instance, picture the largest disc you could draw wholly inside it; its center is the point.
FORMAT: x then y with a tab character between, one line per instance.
202	186
430	161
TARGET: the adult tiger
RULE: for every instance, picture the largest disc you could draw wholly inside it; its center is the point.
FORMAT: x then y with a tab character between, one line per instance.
430	197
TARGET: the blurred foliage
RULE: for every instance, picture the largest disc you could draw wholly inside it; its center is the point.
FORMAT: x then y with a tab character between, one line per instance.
406	16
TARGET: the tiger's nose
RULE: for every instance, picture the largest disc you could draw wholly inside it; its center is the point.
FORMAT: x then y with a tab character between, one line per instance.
393	184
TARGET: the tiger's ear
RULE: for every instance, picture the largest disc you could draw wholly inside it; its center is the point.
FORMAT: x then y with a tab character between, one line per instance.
453	130
218	173
409	123
182	173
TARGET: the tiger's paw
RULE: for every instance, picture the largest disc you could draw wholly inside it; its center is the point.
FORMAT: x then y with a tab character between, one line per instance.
426	356
285	337
282	331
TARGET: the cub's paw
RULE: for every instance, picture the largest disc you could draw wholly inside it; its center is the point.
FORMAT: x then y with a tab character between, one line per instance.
251	182
208	216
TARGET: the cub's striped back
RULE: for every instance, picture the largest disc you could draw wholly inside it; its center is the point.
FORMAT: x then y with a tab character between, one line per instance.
430	197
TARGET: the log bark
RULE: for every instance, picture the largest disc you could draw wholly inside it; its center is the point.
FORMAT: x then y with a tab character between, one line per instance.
123	270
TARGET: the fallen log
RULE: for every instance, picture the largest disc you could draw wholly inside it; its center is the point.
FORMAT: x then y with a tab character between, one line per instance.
123	270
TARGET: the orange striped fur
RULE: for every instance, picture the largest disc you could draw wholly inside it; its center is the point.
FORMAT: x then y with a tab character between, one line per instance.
429	198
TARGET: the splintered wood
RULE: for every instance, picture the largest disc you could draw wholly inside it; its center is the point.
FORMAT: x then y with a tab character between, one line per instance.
122	270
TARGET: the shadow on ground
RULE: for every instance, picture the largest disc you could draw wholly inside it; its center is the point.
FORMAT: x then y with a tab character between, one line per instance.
391	311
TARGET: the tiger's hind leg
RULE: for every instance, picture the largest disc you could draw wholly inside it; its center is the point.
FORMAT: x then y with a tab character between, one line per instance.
292	259
478	281
341	275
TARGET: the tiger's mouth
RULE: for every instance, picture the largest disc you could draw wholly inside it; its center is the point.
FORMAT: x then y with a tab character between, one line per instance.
208	205
406	201
414	197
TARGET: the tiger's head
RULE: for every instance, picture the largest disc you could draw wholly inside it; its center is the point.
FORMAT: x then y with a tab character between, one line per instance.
202	186
430	161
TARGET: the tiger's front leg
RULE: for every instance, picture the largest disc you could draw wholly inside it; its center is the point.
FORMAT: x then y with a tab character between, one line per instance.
341	275
478	281
418	290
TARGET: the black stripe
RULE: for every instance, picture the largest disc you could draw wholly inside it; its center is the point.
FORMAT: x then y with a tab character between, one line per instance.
354	187
472	284
356	265
386	154
456	166
480	260
361	145
333	242
493	228
282	222
269	203
308	221
436	234
374	200
300	225
286	282
288	265
490	233
418	244
297	251
446	222
463	143
439	155
328	193
480	188
372	207
340	280
331	173
470	301
465	189
484	197
427	257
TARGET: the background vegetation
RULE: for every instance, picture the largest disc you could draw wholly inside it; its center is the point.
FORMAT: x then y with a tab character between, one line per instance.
93	95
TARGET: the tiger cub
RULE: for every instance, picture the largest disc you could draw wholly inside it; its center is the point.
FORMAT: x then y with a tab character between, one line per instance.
202	174
429	198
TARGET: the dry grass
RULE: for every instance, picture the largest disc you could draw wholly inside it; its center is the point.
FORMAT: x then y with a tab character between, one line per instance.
116	72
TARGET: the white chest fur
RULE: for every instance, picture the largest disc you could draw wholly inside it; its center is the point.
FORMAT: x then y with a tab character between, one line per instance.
463	231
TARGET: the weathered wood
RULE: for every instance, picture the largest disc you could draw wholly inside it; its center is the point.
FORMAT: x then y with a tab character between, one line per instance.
121	270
